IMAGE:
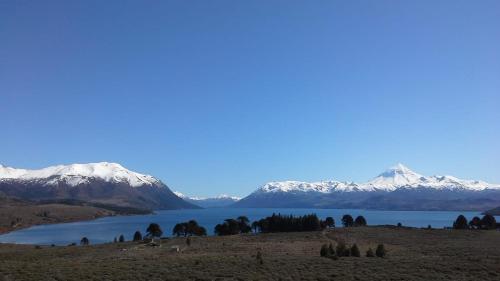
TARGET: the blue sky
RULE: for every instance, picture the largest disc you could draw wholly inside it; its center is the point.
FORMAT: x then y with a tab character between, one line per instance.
222	96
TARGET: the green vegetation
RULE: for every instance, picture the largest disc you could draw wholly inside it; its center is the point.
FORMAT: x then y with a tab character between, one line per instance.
137	236
347	221
154	230
488	222
281	223
370	253
360	221
189	228
355	251
380	251
84	241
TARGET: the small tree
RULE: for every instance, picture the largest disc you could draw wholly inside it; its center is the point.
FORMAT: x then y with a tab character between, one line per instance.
137	236
370	253
330	222
488	222
121	239
84	241
399	224
347	221
259	258
355	251
380	251
115	240
341	249
460	223
475	223
360	221
324	251
154	230
188	241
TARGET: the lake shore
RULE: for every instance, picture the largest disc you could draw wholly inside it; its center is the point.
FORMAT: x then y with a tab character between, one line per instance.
412	254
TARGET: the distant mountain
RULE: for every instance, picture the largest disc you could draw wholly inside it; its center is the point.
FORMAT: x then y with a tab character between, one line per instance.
397	188
222	200
108	183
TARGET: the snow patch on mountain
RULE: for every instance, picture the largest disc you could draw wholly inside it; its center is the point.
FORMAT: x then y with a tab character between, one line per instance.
76	174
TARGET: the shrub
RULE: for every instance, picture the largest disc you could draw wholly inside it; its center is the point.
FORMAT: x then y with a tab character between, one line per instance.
347	221
137	236
488	222
329	222
429	227
370	253
154	230
399	224
188	241
380	251
475	223
324	251
121	239
84	241
360	221
341	249
259	258
331	251
355	251
460	223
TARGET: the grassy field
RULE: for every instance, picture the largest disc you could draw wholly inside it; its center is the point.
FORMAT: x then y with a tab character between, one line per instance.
413	254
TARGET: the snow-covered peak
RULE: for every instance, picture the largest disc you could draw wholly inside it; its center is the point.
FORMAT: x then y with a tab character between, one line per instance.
76	174
396	176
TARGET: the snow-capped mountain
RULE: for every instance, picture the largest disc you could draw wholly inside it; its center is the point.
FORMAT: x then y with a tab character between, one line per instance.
103	182
222	200
396	188
392	179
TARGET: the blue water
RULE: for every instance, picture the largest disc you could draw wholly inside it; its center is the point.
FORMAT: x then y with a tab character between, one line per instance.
105	229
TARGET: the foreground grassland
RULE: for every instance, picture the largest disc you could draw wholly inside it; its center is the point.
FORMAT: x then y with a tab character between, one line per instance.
413	254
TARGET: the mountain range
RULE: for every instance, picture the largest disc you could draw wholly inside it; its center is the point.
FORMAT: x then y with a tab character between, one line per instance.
222	200
397	188
108	183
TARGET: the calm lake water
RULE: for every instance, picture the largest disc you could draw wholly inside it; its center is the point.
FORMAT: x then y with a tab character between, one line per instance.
105	229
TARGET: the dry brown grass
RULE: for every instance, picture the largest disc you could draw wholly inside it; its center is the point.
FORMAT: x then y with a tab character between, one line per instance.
413	254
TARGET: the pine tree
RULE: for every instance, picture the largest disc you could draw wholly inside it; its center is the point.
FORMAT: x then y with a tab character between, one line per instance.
460	223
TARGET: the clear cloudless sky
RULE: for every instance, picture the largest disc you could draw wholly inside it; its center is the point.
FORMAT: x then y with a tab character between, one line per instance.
222	96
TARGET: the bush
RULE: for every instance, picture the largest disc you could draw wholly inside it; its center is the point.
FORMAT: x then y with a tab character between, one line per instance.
331	251
347	221
475	223
380	251
399	224
360	221
84	241
460	223
137	236
259	258
488	222
341	249
121	239
370	253
154	230
324	251
188	241
355	251
329	222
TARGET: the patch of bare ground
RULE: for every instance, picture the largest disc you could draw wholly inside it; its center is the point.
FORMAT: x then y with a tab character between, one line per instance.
413	254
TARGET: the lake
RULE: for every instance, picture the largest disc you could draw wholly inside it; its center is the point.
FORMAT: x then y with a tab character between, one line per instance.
106	229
